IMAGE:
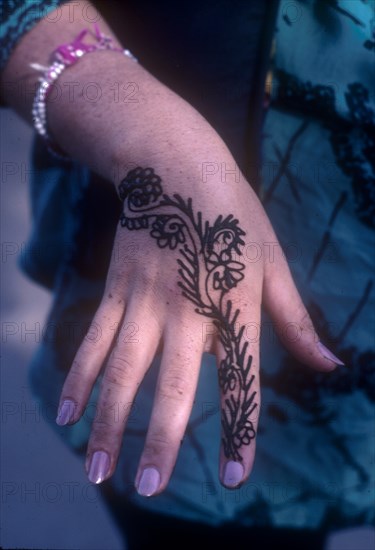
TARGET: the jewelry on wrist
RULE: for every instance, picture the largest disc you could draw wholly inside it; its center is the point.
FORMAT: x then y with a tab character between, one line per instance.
64	56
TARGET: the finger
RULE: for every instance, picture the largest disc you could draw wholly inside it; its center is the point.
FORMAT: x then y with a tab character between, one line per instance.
291	319
174	398
238	370
89	360
123	374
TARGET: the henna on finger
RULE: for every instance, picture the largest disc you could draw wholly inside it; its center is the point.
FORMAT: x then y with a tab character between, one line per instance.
209	268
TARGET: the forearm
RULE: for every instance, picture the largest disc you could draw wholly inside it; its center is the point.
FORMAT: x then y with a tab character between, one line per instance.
90	114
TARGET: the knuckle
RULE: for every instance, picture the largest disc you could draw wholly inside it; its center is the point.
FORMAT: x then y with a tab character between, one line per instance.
305	319
92	337
118	371
76	368
146	279
157	443
102	426
106	428
80	378
103	440
155	284
149	289
175	384
77	378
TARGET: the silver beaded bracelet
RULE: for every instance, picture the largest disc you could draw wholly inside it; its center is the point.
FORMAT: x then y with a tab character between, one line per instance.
63	57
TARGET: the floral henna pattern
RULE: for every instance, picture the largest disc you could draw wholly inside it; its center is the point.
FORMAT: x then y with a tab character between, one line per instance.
209	268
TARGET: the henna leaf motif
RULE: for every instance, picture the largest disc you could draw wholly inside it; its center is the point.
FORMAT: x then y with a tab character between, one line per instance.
209	266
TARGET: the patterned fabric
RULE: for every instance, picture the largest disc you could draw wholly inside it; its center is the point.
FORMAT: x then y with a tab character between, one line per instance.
17	17
313	465
319	191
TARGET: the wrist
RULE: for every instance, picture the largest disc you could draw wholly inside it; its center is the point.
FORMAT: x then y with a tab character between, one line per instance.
65	56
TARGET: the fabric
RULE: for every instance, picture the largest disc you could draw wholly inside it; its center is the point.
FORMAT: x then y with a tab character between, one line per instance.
17	17
318	188
313	463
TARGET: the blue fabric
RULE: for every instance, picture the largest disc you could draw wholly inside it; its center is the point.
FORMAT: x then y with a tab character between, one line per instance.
17	17
318	188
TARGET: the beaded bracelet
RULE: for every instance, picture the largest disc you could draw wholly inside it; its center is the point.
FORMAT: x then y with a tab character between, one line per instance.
63	57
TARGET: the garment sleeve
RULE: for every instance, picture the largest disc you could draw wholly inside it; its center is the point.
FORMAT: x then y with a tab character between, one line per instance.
17	17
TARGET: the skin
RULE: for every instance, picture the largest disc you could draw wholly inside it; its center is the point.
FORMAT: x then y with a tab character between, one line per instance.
159	130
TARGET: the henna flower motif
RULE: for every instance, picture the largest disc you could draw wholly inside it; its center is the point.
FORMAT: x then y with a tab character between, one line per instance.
140	222
227	274
223	245
244	434
168	231
141	187
227	377
223	239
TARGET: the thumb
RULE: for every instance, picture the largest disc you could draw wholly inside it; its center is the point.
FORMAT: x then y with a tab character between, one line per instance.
292	322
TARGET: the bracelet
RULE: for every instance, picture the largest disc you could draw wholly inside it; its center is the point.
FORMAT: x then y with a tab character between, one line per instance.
63	57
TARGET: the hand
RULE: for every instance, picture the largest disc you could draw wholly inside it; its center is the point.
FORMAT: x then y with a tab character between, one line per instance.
194	265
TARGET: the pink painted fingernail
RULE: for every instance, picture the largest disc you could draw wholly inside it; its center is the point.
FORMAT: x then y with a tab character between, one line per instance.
99	467
149	482
328	354
233	474
66	412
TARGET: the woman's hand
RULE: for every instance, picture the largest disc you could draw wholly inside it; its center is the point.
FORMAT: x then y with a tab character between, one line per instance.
194	268
200	275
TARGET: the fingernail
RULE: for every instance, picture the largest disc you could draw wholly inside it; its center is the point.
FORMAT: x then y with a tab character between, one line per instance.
99	467
149	482
328	354
66	412
233	474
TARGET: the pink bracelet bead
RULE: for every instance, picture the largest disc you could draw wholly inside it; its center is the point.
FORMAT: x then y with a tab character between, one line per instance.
64	56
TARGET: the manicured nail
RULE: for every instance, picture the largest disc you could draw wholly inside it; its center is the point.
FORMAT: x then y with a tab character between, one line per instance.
149	482
99	467
66	412
233	474
328	354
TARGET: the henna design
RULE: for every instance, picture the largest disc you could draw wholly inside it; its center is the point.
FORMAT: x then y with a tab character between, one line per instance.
208	270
